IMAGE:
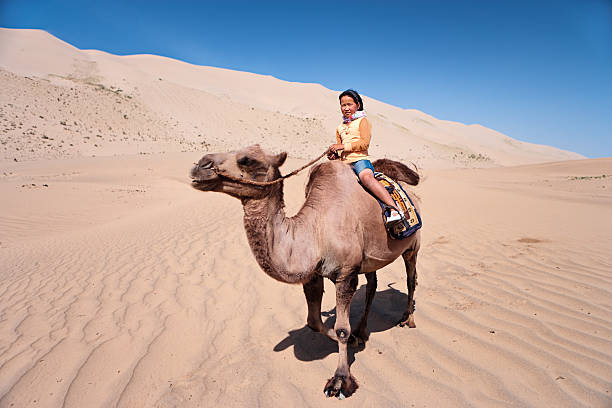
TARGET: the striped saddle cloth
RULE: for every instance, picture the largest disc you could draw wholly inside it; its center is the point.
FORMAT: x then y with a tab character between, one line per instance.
412	219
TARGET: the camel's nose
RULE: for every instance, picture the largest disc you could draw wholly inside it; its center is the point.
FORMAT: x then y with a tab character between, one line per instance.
205	164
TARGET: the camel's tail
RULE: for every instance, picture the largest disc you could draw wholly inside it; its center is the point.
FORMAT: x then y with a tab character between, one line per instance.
397	171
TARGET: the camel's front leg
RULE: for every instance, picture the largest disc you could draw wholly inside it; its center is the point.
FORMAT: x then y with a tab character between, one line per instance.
342	384
314	293
361	333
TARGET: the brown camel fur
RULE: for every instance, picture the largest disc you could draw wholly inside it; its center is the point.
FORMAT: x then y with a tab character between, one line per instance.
337	234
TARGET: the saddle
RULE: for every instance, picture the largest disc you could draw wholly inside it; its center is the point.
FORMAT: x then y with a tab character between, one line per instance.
411	221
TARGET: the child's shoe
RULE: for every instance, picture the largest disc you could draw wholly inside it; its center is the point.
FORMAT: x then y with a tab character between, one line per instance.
393	216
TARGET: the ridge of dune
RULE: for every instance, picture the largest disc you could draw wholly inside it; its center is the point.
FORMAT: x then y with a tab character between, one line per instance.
206	103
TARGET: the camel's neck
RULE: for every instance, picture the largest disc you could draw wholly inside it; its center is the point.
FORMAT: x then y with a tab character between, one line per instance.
285	248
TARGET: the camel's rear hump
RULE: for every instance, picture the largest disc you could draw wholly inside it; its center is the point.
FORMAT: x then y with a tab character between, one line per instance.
397	171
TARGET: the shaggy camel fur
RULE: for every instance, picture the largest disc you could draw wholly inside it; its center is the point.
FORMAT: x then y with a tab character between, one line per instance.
337	234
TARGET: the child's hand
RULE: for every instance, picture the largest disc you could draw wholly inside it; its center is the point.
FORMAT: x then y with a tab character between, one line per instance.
332	151
335	147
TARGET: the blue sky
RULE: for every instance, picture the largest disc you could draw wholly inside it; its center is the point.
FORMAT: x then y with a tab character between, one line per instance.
538	71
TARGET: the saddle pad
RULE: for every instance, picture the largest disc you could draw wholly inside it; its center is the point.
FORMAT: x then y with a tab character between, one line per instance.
412	219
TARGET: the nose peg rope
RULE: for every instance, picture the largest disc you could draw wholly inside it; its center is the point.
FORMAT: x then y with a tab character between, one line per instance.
268	183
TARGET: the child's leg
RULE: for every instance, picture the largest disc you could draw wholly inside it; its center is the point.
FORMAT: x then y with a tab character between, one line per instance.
367	179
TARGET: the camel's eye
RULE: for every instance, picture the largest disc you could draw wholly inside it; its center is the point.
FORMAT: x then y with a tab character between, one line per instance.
245	161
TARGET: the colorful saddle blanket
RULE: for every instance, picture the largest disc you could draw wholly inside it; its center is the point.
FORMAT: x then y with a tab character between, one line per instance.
412	219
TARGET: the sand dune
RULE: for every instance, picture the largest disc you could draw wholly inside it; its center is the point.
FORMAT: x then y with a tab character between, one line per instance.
122	286
187	107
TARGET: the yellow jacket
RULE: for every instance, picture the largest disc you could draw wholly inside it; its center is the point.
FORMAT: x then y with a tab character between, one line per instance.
355	136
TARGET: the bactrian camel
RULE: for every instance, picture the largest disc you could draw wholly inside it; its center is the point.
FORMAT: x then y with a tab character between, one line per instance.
337	234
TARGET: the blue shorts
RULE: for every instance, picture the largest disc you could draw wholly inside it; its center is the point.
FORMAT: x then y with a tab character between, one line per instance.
361	165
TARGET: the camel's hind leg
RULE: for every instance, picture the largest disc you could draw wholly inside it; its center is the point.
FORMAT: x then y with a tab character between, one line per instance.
314	294
361	333
410	258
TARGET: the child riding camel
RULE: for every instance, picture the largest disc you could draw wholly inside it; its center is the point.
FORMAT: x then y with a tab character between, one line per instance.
352	142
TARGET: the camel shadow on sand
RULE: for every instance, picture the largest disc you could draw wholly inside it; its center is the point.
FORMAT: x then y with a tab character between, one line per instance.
387	309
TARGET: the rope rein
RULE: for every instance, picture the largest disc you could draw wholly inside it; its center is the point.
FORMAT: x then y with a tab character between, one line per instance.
269	183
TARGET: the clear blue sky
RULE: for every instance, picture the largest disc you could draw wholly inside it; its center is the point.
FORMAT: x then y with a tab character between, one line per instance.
538	71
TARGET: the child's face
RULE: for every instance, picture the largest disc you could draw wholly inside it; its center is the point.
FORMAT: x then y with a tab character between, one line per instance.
348	106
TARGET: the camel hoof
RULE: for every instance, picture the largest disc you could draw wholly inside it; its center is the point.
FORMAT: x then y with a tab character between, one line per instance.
407	322
324	331
340	386
357	342
313	327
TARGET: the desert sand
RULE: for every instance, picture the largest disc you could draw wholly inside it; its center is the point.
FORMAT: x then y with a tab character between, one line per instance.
120	285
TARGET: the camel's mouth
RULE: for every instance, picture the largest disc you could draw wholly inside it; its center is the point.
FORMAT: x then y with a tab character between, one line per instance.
204	179
203	184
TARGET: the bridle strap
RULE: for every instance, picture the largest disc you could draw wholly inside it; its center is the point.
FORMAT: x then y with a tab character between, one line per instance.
267	183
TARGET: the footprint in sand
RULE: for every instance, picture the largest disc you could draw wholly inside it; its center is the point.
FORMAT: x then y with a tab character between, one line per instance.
530	240
440	240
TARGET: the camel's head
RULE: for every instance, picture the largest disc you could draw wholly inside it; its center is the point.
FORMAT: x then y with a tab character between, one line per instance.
223	172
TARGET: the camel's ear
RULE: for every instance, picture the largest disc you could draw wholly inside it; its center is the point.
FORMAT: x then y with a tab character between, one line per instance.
279	159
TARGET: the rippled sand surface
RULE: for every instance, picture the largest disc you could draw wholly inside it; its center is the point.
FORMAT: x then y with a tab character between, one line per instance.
122	286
